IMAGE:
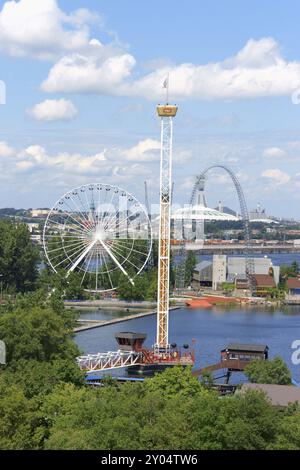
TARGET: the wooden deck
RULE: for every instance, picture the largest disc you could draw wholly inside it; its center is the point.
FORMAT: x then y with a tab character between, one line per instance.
230	364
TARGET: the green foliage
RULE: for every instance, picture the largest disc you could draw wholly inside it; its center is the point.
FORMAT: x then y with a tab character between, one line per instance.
273	371
40	377
37	332
190	264
251	421
228	286
18	257
170	411
69	288
145	286
288	434
177	381
287	271
18	419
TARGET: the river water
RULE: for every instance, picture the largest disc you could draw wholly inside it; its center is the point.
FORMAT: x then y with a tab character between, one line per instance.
211	329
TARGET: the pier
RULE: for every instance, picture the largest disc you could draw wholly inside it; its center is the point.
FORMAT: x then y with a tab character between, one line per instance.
91	324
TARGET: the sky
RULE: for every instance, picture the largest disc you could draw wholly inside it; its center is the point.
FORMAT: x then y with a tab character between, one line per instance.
80	81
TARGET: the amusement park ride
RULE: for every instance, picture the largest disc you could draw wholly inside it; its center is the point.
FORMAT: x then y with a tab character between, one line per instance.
131	353
83	234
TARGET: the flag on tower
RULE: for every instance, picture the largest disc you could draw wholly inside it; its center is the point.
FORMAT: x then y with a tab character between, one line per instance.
166	83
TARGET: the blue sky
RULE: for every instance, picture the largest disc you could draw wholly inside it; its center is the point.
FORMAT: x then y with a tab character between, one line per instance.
83	79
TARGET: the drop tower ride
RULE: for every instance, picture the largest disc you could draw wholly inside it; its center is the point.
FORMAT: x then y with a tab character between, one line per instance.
166	113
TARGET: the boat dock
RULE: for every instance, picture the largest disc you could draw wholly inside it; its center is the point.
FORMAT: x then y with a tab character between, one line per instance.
91	324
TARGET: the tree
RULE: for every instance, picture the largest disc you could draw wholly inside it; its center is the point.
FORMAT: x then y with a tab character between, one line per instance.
18	419
40	377
251	421
288	433
18	257
69	287
190	264
175	381
295	267
128	291
38	334
170	411
273	371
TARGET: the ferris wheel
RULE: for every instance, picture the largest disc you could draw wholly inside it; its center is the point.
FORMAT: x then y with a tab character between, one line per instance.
101	232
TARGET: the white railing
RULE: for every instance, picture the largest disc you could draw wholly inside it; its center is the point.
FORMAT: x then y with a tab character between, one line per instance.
109	360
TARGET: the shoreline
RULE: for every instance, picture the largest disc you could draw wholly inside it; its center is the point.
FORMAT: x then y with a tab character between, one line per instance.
100	323
111	304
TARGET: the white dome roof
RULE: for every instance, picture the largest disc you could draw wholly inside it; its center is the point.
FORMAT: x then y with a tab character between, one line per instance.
201	212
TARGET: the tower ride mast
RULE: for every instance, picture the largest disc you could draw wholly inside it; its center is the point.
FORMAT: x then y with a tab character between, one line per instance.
166	114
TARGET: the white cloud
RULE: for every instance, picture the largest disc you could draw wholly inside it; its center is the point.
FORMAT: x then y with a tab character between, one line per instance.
91	73
54	110
37	157
38	28
275	152
6	150
108	163
257	70
276	176
24	166
145	151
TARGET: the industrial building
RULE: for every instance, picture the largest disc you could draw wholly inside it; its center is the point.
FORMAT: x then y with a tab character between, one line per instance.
232	269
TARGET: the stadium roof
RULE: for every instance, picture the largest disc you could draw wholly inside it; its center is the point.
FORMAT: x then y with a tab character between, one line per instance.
200	212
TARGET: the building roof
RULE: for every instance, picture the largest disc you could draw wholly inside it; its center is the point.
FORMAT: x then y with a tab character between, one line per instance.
200	212
202	265
293	282
264	280
247	347
280	395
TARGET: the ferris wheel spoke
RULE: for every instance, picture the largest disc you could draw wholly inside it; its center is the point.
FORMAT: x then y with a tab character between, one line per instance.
125	219
77	231
85	208
79	227
78	208
97	269
110	202
82	224
122	227
68	246
116	261
86	270
137	251
107	270
89	206
126	259
137	266
109	222
104	215
72	252
83	255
